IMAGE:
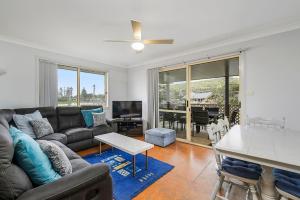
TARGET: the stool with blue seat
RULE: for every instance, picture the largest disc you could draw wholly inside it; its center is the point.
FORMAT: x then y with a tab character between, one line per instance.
287	184
160	136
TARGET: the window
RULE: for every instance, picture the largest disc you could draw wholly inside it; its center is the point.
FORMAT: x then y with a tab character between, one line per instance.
92	89
80	87
67	87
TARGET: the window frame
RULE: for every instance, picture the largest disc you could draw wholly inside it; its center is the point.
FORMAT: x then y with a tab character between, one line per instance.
79	69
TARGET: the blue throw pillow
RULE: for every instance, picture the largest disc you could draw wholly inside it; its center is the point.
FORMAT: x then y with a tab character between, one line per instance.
32	159
88	116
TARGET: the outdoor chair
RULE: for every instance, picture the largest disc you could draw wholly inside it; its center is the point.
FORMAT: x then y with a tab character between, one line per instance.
200	119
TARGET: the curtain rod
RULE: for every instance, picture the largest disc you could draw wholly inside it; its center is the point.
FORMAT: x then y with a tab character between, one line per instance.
207	58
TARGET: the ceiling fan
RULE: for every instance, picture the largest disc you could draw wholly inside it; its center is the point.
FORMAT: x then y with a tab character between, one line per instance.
137	43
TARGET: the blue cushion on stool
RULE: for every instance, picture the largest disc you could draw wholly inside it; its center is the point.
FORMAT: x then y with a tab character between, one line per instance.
287	181
241	168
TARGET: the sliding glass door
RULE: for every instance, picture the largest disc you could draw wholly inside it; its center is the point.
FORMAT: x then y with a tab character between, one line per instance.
172	100
193	96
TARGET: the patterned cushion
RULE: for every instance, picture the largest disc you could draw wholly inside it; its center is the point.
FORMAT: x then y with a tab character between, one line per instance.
60	162
41	127
287	181
32	159
99	119
23	122
241	168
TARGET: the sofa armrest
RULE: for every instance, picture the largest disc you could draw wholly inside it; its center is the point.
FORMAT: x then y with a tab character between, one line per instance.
112	124
93	182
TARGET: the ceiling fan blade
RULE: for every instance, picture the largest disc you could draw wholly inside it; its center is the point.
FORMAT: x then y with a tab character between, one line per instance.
165	41
137	30
118	40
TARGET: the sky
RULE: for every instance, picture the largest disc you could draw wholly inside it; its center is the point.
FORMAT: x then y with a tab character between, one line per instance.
68	78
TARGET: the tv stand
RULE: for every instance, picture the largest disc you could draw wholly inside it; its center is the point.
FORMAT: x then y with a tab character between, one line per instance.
129	116
129	125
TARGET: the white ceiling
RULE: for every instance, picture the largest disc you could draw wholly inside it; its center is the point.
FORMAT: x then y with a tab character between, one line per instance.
78	27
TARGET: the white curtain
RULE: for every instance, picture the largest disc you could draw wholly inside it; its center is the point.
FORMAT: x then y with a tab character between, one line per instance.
153	104
47	83
243	87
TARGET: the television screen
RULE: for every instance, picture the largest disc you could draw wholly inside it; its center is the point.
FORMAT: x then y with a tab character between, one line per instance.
121	108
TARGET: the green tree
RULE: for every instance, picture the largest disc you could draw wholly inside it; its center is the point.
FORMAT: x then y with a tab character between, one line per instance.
83	93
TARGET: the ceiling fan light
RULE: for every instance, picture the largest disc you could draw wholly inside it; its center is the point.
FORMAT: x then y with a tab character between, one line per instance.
137	46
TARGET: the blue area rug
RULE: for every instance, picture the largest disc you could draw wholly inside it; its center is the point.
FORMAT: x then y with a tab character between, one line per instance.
125	186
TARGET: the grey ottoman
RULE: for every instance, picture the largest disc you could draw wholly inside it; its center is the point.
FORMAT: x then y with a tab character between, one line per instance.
160	136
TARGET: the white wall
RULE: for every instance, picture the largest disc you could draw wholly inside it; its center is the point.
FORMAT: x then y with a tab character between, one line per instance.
273	79
18	87
272	76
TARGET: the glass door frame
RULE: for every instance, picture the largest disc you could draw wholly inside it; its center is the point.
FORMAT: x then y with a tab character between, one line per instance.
188	67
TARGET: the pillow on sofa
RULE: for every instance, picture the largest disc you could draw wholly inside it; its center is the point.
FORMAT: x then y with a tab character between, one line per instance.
22	122
88	116
60	162
99	119
41	127
32	159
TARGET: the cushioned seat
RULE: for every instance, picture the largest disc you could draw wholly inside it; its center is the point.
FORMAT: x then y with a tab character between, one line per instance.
99	130
78	134
56	136
287	181
69	153
241	168
78	164
160	136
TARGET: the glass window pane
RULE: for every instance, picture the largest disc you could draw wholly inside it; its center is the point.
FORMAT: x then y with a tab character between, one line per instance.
172	89
67	87
92	89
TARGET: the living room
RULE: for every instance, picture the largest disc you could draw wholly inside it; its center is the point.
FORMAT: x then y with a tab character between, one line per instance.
163	100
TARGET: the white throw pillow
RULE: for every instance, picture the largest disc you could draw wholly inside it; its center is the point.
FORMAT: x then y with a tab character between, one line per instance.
23	122
99	119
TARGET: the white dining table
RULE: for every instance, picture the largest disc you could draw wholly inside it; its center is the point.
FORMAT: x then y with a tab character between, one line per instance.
269	147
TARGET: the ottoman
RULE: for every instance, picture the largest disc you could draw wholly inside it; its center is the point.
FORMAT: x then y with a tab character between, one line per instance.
160	136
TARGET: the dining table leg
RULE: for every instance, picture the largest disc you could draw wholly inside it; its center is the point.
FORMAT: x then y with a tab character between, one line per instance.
268	191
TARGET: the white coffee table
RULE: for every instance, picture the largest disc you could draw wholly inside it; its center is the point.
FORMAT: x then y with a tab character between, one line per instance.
127	144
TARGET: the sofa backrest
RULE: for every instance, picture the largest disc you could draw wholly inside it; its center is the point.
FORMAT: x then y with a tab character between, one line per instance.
13	179
47	112
69	117
60	118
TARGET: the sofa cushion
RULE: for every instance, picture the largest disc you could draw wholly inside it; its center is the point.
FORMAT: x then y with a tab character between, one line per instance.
6	147
7	114
32	159
99	119
78	164
23	122
78	134
99	130
69	153
13	182
60	162
241	168
88	116
41	127
69	117
81	145
47	112
56	136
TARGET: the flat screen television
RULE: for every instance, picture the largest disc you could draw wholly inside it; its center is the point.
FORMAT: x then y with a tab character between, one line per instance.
127	109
